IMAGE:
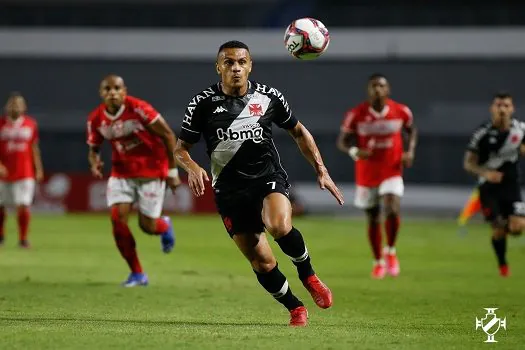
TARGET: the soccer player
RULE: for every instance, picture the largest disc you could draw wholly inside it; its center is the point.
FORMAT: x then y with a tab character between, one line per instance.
372	135
235	117
142	164
493	155
20	165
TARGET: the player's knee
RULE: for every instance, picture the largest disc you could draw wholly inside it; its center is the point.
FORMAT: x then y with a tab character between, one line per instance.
147	224
279	225
373	216
498	232
264	265
516	226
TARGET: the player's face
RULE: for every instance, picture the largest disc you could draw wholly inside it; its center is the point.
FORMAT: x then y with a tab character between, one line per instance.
234	67
378	88
15	106
502	109
113	91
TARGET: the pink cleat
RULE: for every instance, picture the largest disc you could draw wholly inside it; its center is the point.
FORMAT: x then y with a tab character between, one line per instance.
392	265
379	270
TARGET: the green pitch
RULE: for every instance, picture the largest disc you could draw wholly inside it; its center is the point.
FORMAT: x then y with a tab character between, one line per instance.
64	293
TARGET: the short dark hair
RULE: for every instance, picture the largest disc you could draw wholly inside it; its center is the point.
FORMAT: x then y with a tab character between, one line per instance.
233	44
502	95
374	76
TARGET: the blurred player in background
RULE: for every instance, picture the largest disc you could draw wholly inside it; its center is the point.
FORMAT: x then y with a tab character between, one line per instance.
142	163
20	165
251	187
371	134
493	155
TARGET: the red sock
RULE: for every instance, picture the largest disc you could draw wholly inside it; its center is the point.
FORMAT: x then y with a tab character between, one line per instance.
24	216
2	221
161	226
392	227
374	236
126	245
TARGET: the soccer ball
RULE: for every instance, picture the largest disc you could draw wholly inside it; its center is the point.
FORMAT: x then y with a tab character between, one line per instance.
306	38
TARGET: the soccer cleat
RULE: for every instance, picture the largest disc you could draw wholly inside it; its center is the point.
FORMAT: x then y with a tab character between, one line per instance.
136	279
392	265
299	317
504	271
379	270
167	239
24	244
1	241
319	291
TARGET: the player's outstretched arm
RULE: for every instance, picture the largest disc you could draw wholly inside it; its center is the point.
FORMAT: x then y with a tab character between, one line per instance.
37	162
95	163
470	164
196	174
309	149
160	128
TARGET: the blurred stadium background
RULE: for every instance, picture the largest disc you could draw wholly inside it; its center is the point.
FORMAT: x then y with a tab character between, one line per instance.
444	60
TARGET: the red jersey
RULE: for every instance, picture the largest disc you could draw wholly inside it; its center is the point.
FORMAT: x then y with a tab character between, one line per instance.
136	152
382	134
16	147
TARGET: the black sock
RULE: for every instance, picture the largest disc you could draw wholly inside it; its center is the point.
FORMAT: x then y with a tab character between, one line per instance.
277	285
293	245
500	247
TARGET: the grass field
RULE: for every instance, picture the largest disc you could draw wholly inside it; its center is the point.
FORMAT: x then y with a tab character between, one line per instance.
64	293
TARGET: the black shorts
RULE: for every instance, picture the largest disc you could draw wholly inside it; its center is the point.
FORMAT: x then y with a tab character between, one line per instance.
241	209
500	203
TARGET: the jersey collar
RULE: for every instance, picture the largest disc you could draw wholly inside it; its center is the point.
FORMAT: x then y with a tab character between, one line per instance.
116	115
17	122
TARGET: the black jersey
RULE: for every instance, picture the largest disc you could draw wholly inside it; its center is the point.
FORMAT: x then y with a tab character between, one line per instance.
499	150
238	132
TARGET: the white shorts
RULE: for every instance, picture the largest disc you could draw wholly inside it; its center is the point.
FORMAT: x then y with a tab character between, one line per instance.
368	197
148	193
17	193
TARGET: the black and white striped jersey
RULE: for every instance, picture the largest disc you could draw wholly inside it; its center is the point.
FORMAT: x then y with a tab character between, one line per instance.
238	132
499	150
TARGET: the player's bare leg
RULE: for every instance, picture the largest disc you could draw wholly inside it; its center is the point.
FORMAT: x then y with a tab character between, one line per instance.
160	227
126	244
375	238
256	249
392	207
2	224
23	215
277	218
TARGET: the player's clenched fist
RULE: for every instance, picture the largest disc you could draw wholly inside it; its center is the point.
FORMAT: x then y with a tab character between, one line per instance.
196	178
96	169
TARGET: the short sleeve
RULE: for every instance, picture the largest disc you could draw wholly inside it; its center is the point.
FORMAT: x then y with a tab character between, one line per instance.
94	138
191	127
408	117
349	121
147	113
283	116
475	139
